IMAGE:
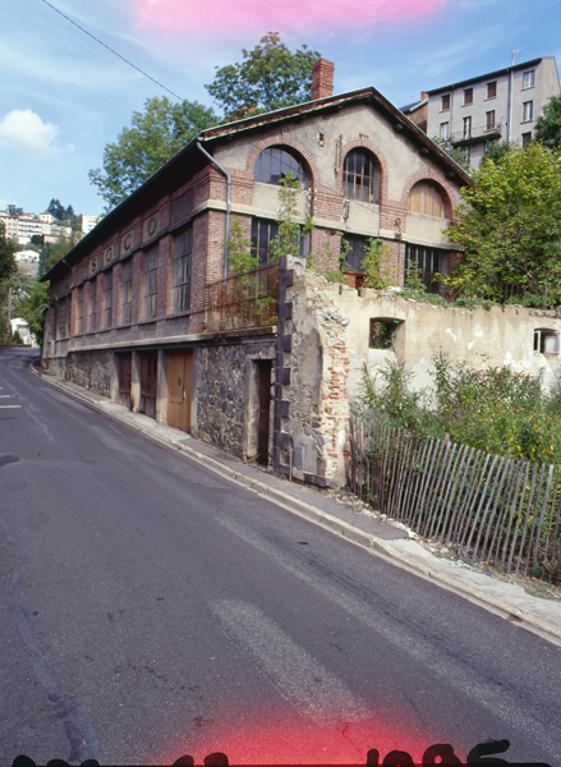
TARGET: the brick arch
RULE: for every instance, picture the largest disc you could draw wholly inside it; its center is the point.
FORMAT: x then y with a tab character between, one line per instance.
432	177
365	143
284	141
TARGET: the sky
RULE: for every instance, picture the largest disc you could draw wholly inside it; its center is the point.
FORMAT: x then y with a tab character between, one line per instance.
63	96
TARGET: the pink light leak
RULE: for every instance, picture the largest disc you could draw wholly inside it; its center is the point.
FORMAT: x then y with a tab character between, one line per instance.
226	18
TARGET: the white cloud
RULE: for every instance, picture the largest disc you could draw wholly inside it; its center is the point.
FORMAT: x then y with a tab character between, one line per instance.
23	127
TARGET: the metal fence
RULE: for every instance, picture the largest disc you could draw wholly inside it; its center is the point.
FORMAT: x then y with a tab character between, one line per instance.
248	300
488	508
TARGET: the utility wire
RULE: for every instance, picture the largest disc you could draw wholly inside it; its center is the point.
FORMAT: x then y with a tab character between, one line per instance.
112	50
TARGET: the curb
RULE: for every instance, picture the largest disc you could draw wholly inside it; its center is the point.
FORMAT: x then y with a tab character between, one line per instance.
384	549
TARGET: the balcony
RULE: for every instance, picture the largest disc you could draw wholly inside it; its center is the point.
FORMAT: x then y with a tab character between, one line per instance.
476	136
243	302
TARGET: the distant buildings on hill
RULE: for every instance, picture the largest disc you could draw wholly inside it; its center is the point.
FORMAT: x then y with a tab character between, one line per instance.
22	227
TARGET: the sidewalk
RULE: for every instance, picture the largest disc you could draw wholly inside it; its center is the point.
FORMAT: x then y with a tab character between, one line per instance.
388	540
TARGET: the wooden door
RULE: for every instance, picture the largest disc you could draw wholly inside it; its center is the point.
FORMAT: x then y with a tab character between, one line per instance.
124	367
148	383
264	368
180	388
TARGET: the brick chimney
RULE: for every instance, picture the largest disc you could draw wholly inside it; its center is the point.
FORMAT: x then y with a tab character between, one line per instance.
424	95
322	79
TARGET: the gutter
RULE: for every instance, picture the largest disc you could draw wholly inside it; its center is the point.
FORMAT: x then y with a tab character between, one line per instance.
228	178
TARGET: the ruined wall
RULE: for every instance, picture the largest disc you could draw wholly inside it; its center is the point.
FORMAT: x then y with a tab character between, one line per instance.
326	330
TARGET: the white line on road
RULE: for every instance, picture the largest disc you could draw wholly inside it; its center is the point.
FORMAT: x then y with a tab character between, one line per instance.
8	407
302	680
5	396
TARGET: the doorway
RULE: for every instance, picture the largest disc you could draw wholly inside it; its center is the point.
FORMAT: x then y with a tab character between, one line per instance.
180	388
124	373
263	381
148	382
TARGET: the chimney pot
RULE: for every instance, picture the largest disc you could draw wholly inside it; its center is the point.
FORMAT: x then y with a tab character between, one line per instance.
322	79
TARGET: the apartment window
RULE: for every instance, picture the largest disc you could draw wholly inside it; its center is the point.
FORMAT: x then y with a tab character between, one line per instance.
467	127
490	120
526	138
528	79
468	96
151	283
445	131
492	89
355	247
426	198
263	232
275	163
527	111
93	305
445	103
361	176
182	252
108	307
427	263
126	286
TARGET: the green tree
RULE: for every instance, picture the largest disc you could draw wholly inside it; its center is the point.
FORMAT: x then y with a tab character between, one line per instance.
56	209
457	153
32	307
268	77
372	264
52	252
240	257
7	250
548	126
287	239
154	136
509	225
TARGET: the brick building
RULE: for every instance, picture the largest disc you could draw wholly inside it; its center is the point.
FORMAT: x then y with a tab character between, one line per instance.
144	310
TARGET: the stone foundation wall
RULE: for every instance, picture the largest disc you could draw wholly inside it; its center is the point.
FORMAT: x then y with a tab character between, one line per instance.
225	410
91	370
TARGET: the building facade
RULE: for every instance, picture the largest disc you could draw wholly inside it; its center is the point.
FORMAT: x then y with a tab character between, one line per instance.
145	309
499	106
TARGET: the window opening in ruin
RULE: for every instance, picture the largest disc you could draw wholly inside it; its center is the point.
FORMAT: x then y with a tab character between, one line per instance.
382	332
546	341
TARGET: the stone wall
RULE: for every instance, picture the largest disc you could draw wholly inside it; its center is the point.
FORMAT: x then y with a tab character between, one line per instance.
226	410
91	370
324	347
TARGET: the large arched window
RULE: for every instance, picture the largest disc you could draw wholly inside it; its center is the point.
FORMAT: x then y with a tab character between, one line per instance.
276	162
361	176
427	198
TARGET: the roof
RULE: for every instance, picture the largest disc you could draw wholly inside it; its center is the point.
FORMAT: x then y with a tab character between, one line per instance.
408	108
173	172
488	76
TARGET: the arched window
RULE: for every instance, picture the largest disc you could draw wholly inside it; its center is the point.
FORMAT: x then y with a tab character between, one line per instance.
427	198
275	162
361	176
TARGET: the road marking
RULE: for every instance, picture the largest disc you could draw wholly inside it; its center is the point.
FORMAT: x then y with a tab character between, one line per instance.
307	685
8	407
5	396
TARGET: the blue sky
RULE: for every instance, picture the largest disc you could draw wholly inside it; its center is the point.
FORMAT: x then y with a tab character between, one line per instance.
63	97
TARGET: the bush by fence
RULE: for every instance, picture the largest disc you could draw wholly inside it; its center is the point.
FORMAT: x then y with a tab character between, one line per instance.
487	507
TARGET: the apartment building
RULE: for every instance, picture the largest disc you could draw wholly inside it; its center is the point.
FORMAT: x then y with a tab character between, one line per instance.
498	106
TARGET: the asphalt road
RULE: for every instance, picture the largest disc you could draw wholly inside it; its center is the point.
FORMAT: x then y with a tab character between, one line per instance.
149	608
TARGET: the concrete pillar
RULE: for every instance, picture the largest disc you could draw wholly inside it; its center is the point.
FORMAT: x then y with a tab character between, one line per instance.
135	382
162	390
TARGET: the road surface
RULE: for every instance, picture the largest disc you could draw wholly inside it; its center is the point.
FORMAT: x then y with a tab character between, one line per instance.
149	608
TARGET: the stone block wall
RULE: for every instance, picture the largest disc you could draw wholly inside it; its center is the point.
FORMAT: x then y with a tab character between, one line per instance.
91	370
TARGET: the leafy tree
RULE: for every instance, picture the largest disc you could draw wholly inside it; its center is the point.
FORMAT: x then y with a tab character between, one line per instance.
372	264
496	150
240	257
154	136
286	242
269	77
7	250
548	126
458	154
32	307
51	253
509	225
56	209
